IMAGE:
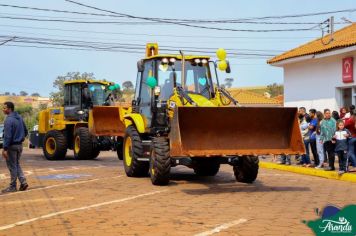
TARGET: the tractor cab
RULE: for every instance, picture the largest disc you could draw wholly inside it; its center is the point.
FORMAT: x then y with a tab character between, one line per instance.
81	95
161	83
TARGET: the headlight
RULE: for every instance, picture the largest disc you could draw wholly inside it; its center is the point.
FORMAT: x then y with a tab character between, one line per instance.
172	60
80	112
157	90
204	61
197	60
165	60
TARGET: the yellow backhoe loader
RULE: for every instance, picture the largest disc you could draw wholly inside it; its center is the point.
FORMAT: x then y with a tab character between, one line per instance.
66	127
180	115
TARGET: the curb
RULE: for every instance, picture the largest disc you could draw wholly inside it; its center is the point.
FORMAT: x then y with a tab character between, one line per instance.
309	171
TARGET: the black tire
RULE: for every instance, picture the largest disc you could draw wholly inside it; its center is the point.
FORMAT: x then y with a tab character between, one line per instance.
247	169
206	166
95	153
160	162
132	150
54	145
120	148
83	144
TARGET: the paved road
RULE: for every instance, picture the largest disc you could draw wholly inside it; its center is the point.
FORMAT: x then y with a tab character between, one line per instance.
96	198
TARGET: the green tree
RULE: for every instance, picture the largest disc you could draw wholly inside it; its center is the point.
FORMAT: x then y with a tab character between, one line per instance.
275	89
58	97
35	95
7	93
23	93
127	86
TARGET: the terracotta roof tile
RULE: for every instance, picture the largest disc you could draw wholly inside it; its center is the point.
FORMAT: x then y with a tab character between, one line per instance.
247	97
344	37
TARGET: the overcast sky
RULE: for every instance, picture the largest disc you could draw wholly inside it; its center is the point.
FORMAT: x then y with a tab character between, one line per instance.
25	66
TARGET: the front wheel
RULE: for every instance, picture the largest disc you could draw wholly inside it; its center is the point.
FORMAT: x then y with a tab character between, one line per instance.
54	145
160	162
247	169
132	151
83	144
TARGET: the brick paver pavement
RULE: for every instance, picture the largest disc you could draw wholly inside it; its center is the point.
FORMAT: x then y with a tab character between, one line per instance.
103	201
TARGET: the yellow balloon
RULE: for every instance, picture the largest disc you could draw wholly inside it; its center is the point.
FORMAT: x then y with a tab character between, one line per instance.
221	54
222	65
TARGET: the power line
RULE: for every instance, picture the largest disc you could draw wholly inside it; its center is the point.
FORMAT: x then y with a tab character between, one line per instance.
109	45
6	41
129	48
100	21
153	35
185	20
188	25
143	43
155	22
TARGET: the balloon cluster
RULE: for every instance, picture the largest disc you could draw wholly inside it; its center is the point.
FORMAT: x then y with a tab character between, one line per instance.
114	86
151	81
221	54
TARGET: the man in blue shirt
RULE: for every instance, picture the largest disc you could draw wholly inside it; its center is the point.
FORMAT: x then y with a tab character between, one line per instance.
15	132
312	135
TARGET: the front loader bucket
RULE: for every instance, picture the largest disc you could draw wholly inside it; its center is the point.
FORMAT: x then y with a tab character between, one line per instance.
220	131
105	121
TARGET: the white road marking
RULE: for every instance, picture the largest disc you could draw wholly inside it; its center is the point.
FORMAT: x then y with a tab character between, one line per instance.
36	200
4	227
58	185
50	170
221	227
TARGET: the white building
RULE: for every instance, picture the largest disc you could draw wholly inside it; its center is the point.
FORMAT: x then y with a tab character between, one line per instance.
320	73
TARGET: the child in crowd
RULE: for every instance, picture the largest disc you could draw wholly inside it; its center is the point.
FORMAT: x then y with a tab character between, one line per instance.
340	139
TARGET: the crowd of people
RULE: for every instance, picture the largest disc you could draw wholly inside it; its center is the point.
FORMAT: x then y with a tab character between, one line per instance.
326	135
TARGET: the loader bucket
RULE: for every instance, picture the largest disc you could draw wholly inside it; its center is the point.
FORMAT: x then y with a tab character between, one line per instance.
105	121
220	131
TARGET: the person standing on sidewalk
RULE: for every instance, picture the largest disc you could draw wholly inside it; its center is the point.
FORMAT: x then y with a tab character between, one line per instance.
15	132
319	145
340	139
312	135
350	125
327	131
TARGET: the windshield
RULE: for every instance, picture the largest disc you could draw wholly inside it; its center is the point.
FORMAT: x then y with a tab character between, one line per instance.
197	78
97	93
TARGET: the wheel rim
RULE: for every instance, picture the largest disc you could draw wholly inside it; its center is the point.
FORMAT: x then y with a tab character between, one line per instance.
152	169
128	151
77	144
51	145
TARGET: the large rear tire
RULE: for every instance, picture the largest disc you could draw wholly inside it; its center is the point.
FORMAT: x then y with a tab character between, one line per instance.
206	166
83	144
54	145
133	150
160	162
247	169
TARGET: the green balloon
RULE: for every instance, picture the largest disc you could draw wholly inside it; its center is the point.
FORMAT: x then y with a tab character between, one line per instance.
111	87
117	86
151	82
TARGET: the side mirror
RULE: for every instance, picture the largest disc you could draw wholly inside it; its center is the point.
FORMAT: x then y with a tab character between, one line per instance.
228	68
140	66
